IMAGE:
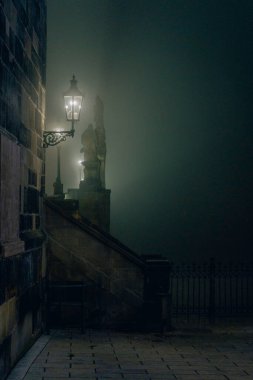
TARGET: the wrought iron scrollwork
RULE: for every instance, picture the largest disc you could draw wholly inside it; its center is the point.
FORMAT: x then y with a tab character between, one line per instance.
51	138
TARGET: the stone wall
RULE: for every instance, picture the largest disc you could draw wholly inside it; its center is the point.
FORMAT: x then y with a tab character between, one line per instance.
22	173
9	192
79	251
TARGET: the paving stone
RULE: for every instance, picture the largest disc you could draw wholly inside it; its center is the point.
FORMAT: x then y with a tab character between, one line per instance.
234	372
46	377
85	376
249	371
209	371
33	377
82	365
160	376
52	364
36	371
183	365
172	357
108	369
237	377
197	377
75	357
184	372
138	377
163	374
110	355
156	366
105	362
203	366
76	378
82	372
107	377
56	372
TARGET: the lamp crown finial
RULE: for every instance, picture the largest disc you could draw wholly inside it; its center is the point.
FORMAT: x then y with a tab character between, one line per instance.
73	81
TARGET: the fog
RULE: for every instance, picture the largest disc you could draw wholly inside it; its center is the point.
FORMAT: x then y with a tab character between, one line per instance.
176	81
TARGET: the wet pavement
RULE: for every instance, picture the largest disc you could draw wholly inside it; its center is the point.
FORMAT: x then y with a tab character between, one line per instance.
97	355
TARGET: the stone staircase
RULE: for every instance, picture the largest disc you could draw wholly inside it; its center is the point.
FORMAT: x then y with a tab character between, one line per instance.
127	289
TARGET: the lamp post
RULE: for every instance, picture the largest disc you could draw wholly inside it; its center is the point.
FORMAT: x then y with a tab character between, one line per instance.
58	186
73	103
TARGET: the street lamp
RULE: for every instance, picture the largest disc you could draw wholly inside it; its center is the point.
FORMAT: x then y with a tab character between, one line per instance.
73	103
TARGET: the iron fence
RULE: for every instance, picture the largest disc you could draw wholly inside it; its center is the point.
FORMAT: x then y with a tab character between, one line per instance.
206	291
211	290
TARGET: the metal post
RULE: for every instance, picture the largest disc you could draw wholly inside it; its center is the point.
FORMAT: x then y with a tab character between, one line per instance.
212	291
156	306
58	186
48	306
83	313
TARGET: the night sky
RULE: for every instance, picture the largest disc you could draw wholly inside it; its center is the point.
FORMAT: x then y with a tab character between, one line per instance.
176	80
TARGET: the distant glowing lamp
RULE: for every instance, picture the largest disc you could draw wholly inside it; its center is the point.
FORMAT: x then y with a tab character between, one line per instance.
73	103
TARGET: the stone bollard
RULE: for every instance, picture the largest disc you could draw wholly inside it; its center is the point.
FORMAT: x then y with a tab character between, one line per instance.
157	299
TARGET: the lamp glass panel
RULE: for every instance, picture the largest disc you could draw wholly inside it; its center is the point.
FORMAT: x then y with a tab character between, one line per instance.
73	106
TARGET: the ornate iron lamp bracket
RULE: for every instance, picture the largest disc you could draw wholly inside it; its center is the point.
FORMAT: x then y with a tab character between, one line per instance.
51	138
73	102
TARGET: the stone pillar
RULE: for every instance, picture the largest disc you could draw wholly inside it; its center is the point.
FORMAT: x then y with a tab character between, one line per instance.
157	298
58	186
94	204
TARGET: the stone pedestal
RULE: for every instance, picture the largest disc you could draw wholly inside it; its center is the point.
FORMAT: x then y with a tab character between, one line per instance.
91	173
94	204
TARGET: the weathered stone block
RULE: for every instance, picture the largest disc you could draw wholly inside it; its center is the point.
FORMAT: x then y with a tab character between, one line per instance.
95	206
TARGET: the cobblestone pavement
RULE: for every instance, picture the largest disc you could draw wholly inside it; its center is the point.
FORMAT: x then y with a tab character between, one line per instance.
98	355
